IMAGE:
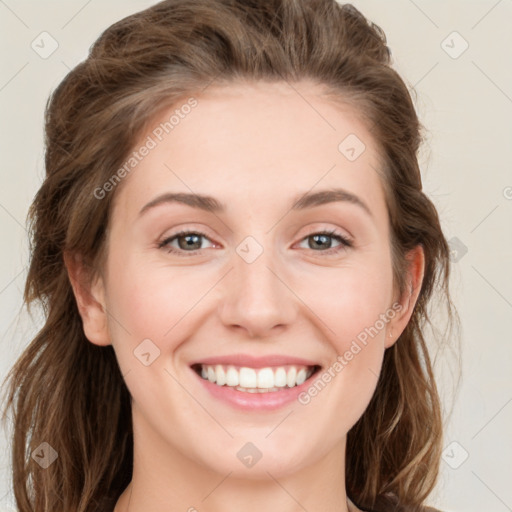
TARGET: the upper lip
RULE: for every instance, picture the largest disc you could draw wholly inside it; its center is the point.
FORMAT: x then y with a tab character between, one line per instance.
249	361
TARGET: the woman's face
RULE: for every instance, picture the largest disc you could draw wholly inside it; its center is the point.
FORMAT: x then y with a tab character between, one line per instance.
255	294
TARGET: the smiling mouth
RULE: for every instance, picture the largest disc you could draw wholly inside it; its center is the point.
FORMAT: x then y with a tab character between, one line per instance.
256	380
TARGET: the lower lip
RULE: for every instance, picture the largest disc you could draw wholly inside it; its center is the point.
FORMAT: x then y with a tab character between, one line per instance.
255	401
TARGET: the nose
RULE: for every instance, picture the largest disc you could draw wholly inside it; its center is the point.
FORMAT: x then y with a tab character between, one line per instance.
256	298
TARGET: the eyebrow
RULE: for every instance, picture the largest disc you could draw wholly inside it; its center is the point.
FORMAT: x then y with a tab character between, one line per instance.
302	202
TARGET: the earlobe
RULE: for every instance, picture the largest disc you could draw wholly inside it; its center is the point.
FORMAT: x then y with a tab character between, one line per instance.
416	269
90	298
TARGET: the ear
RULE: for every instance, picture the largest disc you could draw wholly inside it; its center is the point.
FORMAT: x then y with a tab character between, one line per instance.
405	304
90	298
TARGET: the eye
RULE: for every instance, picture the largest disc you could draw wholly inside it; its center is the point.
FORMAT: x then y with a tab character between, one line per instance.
186	240
190	242
322	240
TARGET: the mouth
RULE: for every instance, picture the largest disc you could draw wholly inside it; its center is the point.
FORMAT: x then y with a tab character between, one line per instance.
269	379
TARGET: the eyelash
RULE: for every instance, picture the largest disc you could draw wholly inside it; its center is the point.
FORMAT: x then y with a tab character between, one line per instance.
345	242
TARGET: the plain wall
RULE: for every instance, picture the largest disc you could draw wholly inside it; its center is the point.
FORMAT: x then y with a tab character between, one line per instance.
464	99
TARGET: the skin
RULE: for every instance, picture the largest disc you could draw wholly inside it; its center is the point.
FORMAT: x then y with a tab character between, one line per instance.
270	144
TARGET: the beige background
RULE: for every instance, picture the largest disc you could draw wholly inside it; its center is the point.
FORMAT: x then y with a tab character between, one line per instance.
464	98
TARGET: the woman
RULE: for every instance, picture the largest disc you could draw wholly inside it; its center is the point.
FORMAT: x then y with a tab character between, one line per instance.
235	256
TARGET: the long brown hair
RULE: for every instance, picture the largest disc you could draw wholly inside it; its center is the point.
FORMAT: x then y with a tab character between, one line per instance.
69	392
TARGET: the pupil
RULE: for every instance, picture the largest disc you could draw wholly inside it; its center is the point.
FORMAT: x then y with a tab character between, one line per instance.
325	239
188	244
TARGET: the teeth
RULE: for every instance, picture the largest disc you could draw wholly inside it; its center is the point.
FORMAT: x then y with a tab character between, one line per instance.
248	378
220	375
253	380
301	376
265	379
280	378
291	377
232	378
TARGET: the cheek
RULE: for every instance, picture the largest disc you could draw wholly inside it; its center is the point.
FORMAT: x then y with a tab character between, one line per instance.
147	306
147	301
356	309
149	296
349	299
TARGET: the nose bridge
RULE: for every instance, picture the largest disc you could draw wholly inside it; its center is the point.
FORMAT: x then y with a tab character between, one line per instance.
259	285
256	297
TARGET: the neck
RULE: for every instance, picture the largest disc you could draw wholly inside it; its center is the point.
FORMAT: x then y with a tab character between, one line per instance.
165	479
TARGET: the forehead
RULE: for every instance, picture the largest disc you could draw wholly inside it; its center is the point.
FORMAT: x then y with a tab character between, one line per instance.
247	142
